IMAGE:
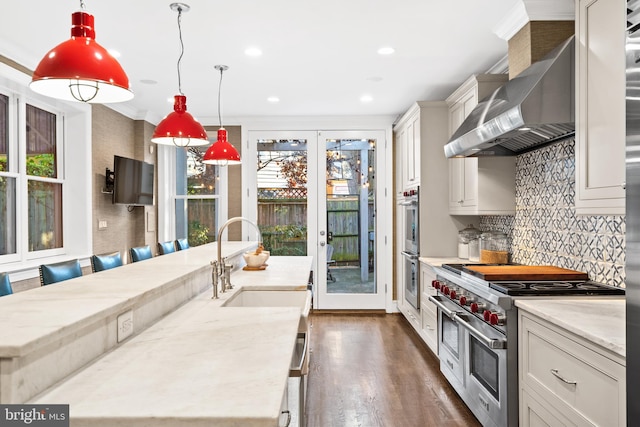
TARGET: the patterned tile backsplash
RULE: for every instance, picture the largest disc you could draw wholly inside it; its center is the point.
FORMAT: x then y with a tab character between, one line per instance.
546	230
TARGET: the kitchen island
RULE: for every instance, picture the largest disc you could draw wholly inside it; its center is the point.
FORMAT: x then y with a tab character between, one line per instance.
73	328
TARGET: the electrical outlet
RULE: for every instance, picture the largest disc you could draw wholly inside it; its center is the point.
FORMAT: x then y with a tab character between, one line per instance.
102	224
125	325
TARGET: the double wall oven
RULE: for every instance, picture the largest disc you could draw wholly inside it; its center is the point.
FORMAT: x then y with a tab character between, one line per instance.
411	246
478	333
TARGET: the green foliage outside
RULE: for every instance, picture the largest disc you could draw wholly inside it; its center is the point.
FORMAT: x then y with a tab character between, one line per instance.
198	234
290	240
37	165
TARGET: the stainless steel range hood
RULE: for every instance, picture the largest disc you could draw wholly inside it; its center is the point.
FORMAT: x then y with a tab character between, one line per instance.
530	110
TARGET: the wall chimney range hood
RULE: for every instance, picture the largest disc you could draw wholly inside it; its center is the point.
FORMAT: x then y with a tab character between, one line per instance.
531	110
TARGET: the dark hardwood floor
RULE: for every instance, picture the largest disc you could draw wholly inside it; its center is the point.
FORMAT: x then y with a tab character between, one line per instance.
372	370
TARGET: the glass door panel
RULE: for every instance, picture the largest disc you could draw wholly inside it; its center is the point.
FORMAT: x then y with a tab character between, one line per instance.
347	208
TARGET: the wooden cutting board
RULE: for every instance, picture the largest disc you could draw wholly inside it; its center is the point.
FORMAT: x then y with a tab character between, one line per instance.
494	273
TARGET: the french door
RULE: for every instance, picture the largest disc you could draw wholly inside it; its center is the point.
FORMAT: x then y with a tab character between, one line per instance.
316	195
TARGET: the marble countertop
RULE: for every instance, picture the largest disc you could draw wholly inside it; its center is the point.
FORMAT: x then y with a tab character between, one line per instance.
38	316
601	321
200	365
438	261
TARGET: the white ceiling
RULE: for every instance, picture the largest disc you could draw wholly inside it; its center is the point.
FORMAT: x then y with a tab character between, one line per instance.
319	56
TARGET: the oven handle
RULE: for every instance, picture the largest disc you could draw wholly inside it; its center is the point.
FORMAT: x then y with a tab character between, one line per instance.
411	256
409	203
436	300
492	343
460	320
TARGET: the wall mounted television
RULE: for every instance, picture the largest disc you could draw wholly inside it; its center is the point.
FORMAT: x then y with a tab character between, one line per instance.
132	182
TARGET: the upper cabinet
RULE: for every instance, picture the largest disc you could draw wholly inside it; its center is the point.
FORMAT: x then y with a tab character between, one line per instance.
478	186
420	135
408	137
600	107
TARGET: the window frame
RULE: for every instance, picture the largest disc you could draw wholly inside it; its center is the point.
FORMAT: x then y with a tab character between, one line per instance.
74	163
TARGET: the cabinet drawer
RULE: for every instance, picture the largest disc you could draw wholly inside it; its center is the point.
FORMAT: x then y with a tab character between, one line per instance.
566	372
535	413
429	322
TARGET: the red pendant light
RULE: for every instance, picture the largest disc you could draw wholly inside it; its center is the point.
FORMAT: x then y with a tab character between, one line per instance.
221	152
179	128
79	69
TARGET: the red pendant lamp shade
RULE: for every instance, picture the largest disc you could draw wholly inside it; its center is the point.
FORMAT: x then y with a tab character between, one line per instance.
179	128
79	69
221	152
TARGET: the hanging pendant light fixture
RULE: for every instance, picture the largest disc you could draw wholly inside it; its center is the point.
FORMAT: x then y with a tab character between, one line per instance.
79	69
179	128
221	152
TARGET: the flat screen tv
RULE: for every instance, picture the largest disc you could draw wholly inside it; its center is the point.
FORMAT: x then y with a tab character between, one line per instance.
132	182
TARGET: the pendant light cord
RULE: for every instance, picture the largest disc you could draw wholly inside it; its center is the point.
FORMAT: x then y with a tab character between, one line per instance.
181	50
219	96
82	6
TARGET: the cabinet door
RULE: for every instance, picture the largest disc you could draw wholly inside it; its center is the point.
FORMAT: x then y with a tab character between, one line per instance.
413	159
600	107
463	184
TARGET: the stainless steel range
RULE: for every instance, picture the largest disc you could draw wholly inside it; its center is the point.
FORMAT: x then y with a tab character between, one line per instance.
478	331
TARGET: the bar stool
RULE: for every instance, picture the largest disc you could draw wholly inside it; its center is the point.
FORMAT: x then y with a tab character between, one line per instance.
5	285
140	253
105	261
60	271
182	244
166	248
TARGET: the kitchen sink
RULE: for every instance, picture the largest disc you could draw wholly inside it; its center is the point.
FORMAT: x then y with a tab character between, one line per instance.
264	298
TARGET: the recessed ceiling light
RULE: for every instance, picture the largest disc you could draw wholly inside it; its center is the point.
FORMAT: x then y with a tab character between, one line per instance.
273	99
149	82
252	51
386	50
366	98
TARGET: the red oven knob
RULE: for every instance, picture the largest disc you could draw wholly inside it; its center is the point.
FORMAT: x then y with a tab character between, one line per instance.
446	290
435	284
476	307
497	319
487	315
463	300
452	294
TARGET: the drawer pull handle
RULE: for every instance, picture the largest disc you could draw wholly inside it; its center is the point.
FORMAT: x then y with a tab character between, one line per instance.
561	378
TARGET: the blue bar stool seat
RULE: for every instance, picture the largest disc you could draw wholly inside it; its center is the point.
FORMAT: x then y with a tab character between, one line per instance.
166	247
5	285
54	273
105	261
140	253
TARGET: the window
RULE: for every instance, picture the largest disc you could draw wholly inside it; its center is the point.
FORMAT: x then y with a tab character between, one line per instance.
197	197
31	180
7	185
44	189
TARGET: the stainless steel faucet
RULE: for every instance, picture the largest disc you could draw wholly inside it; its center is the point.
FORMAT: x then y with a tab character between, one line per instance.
221	270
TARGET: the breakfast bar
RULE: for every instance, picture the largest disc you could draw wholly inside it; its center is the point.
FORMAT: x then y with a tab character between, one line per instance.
176	344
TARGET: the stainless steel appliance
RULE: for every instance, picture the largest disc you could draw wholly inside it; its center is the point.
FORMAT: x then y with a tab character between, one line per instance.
478	333
530	110
411	247
632	266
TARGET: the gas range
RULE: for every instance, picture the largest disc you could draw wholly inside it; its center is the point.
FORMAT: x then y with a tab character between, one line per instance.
478	331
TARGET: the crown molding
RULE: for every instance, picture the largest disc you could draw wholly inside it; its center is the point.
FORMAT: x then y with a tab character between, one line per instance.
533	10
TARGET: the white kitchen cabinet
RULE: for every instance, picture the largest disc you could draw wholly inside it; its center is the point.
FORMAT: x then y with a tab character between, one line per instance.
408	136
428	310
482	186
566	379
478	186
600	107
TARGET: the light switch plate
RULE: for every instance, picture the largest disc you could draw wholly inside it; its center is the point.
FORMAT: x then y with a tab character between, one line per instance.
102	224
